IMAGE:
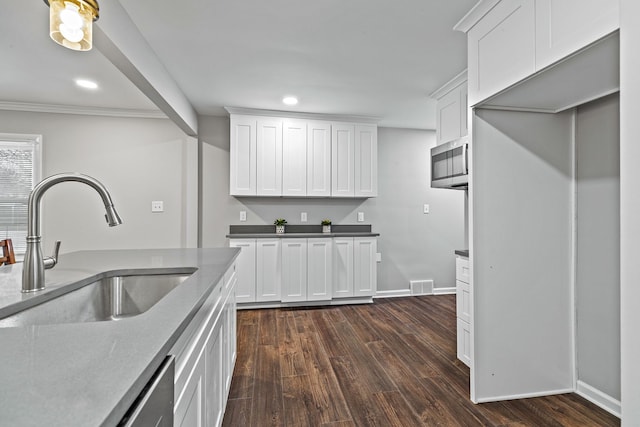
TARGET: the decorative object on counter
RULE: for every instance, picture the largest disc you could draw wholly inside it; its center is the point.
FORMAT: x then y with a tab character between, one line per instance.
280	223
326	225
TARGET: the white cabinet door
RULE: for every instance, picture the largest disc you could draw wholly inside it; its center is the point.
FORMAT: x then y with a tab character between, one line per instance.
342	160
448	117
269	157
246	269
366	161
268	266
501	49
214	382
294	158
463	301
190	404
242	166
464	342
319	267
228	343
319	159
563	27
343	267
364	266
294	270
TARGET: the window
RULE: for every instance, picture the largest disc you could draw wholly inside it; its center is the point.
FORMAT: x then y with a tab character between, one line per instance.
20	165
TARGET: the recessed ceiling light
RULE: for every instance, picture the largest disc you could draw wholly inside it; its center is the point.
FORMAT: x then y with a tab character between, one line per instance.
87	84
290	100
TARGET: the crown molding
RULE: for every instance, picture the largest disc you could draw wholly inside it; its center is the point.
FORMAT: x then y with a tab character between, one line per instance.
450	85
86	111
302	115
474	15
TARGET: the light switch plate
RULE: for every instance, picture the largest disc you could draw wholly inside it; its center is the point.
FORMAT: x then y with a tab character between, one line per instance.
360	216
243	215
425	209
303	217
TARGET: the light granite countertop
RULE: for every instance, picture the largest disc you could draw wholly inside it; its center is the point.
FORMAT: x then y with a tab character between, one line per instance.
89	374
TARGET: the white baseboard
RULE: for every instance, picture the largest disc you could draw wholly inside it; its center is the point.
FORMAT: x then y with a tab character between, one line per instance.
523	395
444	291
393	293
601	399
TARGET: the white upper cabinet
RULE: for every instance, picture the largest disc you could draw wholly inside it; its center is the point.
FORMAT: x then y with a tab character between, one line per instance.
297	157
366	161
269	157
511	40
563	27
294	158
501	48
318	159
354	160
342	160
451	109
242	165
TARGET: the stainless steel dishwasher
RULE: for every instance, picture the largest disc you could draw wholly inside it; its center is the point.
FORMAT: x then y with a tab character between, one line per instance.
154	406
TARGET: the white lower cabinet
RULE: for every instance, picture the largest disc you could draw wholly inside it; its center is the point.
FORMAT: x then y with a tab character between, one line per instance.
300	269
306	269
355	267
268	267
205	357
463	309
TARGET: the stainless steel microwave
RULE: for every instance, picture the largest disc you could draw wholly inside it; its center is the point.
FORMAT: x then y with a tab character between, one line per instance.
449	165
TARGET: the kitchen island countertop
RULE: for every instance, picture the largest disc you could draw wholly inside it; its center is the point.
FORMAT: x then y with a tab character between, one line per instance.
89	374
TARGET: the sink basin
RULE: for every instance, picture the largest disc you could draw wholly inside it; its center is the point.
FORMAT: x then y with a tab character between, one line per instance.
107	299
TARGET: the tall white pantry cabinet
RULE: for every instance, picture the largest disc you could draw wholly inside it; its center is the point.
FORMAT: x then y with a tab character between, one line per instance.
534	69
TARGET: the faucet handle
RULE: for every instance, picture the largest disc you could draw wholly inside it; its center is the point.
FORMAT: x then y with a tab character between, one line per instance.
50	262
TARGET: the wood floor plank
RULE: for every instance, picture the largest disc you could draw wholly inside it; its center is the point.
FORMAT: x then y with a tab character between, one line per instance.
244	371
267	402
291	356
325	388
391	363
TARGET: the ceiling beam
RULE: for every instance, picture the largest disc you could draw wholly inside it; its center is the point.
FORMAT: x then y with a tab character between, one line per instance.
120	41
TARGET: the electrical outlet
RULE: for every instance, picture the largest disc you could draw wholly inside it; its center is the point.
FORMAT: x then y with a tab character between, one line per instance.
243	215
360	216
425	209
157	206
303	217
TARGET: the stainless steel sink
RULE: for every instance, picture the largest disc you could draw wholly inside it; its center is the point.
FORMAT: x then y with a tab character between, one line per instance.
107	299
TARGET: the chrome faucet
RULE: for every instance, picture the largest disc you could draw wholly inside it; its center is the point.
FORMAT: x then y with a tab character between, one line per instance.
34	262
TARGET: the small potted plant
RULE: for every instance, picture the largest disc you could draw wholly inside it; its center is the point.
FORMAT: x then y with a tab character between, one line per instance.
279	223
326	225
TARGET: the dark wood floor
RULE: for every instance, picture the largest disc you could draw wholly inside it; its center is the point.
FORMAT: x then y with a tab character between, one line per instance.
391	363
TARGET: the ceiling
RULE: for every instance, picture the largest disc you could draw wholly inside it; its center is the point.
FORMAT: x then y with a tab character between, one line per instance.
369	58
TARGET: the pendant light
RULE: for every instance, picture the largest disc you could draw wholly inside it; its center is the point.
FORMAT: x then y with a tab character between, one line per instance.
71	22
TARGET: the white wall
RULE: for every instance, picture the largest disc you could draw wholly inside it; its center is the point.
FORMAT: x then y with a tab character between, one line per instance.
414	246
598	245
138	160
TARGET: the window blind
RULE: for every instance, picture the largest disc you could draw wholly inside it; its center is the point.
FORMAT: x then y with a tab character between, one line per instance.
19	171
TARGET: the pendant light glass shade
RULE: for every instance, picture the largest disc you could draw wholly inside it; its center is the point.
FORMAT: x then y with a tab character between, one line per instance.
71	22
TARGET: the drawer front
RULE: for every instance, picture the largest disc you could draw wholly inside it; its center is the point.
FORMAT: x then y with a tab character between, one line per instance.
462	269
463	301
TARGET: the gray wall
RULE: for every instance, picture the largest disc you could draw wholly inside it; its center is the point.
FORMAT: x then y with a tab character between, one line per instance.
598	245
138	160
414	246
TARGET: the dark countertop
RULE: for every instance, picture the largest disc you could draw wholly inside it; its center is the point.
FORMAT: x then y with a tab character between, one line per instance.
300	231
89	374
463	252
